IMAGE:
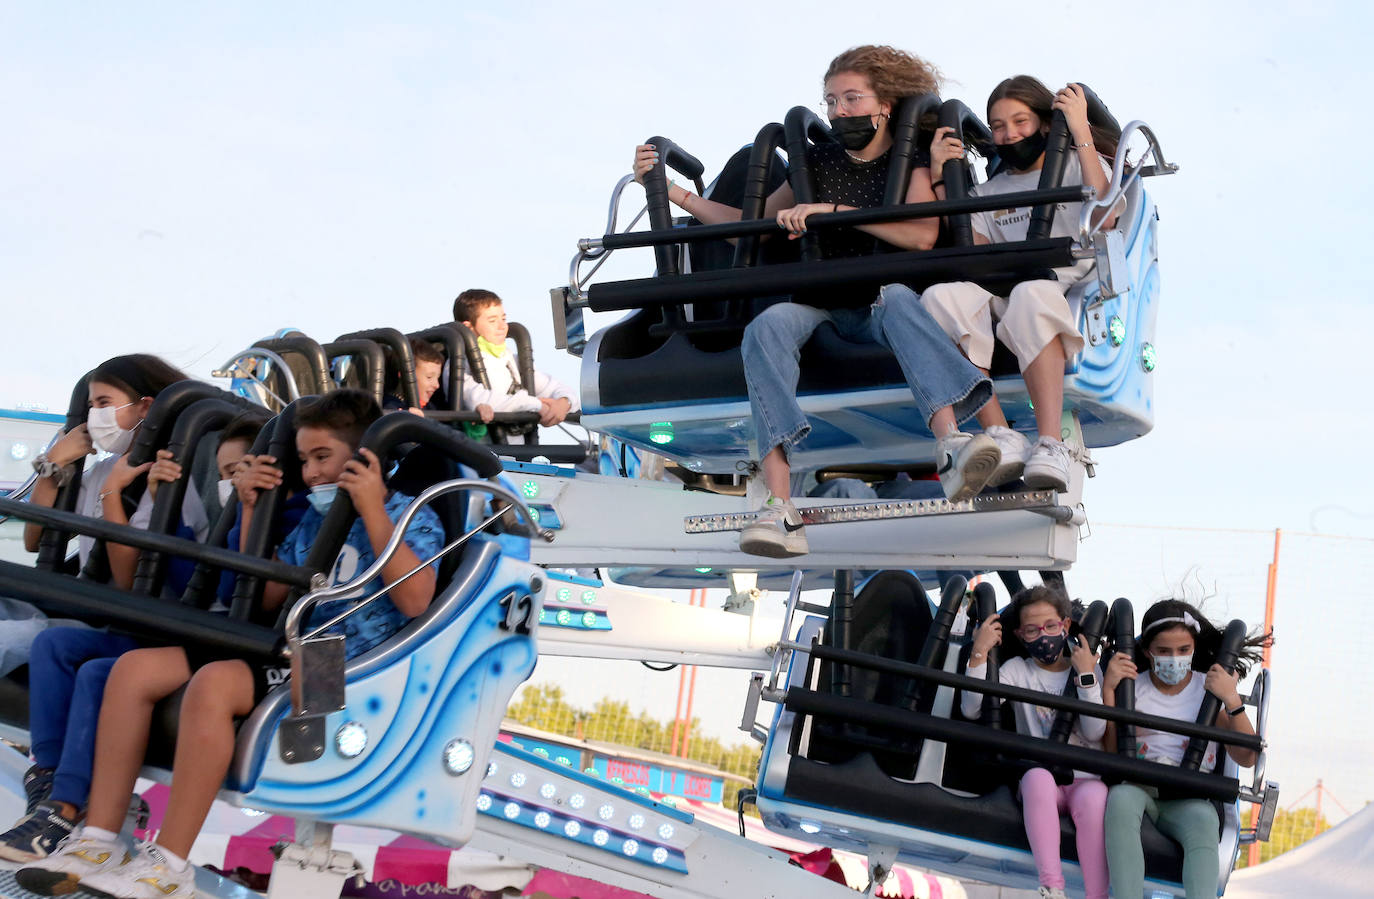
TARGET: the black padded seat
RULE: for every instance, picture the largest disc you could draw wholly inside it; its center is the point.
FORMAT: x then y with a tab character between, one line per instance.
860	787
829	364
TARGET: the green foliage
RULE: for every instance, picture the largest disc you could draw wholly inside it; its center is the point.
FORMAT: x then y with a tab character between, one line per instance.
544	706
1291	829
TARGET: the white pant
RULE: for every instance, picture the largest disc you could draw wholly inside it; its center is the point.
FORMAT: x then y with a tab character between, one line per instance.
1033	315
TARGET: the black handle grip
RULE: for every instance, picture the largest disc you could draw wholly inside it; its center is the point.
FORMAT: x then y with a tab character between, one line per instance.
1051	175
52	543
801	127
761	155
951	597
841	623
985	603
955	172
1094	625
278	439
397	348
1123	640
1228	654
200	418
905	127
312	375
367	355
656	194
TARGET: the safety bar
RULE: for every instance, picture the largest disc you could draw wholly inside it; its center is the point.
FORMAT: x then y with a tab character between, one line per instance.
1007	260
656	193
985	605
1093	627
1193	783
905	127
801	127
1034	697
156	620
954	114
848	218
164	543
1120	183
296	614
52	543
226	370
368	356
762	152
316	363
398	345
459	343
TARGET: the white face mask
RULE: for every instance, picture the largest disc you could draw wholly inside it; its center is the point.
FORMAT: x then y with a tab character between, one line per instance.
105	431
226	490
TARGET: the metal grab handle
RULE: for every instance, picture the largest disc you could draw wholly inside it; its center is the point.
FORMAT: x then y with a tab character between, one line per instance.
1119	183
297	612
226	370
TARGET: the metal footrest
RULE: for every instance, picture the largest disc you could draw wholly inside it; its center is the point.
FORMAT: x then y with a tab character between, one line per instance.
1045	502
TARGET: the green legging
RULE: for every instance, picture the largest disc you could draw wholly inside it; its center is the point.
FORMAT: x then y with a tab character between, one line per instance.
1192	823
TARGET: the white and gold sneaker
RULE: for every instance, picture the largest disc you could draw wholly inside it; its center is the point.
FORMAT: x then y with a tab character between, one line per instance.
148	874
76	858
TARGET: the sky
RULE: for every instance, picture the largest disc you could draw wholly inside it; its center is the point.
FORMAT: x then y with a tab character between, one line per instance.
184	178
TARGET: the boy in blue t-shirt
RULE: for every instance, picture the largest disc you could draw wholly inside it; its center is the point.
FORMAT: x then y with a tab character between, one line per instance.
328	431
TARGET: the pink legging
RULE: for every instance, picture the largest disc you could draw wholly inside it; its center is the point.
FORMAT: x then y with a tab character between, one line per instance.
1042	802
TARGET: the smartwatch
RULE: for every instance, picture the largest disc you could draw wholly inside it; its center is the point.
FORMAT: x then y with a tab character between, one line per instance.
1087	679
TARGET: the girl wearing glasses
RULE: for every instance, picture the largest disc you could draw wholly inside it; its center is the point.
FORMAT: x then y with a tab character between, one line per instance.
1176	645
861	89
1039	618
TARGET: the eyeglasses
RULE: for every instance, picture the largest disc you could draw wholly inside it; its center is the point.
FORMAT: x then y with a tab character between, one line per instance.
1033	631
845	101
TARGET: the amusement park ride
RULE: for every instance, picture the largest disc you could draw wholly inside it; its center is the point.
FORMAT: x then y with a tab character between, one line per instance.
864	747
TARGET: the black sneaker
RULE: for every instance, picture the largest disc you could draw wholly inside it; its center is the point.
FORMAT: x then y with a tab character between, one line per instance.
37	835
37	787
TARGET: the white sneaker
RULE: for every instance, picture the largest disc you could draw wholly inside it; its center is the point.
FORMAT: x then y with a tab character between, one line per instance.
1014	448
146	875
1047	466
964	462
1052	893
777	531
75	859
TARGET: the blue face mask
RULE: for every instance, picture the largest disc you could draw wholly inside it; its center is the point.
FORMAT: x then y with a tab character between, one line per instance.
1171	669
322	497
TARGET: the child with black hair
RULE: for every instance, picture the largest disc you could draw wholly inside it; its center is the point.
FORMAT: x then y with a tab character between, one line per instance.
1039	617
68	668
1176	642
328	432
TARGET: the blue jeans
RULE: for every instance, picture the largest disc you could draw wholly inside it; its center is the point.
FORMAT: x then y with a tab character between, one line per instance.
937	373
68	668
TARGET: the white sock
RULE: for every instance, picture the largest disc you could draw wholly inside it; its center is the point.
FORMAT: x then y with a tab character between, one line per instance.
98	833
174	861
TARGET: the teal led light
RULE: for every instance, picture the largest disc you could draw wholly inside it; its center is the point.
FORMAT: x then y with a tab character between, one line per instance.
530	489
703	570
1116	330
1148	357
588	597
564	617
564	594
661	432
535	514
588	619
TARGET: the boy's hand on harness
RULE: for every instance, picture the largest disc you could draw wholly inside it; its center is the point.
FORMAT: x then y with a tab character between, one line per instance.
363	482
553	411
485	412
255	474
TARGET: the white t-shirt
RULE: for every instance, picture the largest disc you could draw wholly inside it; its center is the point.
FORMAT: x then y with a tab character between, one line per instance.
1037	720
503	372
1008	225
1158	746
88	503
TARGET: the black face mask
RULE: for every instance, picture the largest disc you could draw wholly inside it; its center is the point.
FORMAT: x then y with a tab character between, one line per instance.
854	132
1022	154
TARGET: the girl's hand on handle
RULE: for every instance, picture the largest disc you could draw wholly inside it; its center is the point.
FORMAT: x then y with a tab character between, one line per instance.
74	446
123	474
1121	667
945	146
1224	685
794	219
646	157
1074	103
988	635
1083	658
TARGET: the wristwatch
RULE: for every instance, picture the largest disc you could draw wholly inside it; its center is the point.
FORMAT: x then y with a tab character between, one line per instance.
46	468
1087	679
